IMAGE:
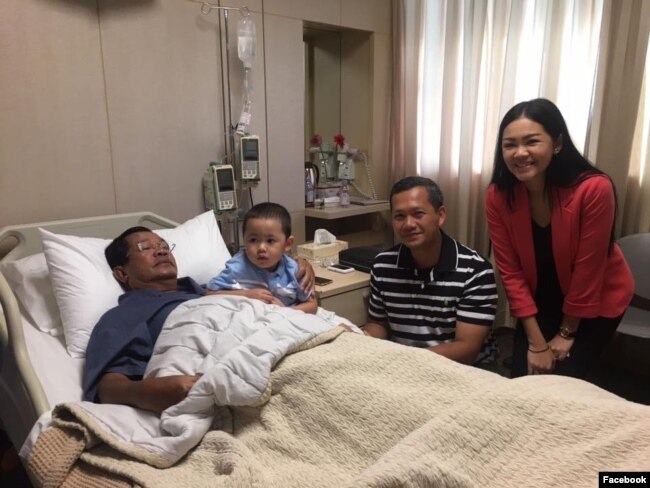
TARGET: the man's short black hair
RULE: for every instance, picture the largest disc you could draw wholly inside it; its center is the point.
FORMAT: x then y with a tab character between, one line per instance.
269	210
116	252
434	192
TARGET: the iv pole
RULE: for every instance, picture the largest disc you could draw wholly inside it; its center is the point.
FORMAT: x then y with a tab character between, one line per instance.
229	135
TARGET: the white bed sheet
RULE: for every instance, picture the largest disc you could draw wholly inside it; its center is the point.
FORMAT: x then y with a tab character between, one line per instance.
59	373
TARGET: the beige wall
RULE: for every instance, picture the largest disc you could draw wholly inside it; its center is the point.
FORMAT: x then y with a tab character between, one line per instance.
116	106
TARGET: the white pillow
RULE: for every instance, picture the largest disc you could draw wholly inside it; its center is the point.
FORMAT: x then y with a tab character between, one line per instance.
84	285
29	279
200	251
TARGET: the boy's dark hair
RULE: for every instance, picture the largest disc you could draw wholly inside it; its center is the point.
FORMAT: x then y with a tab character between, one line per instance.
116	252
434	192
269	210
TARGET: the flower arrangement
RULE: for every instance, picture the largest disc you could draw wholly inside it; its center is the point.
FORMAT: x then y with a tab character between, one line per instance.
339	141
325	150
330	154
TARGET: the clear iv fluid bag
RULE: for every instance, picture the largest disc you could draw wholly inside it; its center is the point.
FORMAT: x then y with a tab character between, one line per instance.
246	41
246	52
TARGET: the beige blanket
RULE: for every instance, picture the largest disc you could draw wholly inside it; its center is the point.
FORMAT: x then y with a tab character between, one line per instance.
360	412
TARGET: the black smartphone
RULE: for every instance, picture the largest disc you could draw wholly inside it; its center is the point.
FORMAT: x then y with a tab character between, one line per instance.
322	281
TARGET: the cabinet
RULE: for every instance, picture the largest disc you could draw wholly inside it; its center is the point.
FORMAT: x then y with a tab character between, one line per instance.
346	296
359	225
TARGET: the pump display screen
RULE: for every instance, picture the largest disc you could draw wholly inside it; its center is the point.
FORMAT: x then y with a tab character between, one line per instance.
225	180
249	149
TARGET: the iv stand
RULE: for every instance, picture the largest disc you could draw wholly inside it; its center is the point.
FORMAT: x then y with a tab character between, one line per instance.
229	134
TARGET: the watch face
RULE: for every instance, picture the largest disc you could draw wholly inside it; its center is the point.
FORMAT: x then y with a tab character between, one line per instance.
565	333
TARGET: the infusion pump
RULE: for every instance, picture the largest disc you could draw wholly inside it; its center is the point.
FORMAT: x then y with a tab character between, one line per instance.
219	188
249	156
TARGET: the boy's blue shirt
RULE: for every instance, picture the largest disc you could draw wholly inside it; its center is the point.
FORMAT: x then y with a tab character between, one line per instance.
241	274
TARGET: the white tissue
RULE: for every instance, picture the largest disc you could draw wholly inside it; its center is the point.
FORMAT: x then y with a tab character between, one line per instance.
321	236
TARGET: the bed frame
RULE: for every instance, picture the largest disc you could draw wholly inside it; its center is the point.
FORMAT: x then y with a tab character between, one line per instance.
22	398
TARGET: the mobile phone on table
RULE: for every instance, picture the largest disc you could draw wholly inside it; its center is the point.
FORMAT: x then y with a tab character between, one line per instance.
341	268
320	281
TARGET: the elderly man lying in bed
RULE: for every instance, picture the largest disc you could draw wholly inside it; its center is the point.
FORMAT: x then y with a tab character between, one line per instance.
122	342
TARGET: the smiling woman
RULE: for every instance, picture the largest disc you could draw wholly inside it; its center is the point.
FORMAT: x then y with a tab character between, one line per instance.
551	218
527	151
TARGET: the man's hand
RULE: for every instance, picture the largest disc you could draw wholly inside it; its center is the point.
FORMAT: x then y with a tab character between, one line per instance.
466	344
154	394
376	329
305	274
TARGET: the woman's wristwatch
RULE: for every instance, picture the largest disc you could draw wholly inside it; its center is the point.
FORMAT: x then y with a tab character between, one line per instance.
565	333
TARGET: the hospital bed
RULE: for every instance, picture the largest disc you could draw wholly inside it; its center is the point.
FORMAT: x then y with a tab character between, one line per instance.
349	411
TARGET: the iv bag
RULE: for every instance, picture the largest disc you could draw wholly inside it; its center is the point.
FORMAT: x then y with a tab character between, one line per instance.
246	41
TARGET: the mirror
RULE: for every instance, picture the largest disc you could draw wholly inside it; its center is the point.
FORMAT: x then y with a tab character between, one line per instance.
322	83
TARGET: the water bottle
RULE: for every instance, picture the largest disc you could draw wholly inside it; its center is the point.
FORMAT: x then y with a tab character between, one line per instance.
323	170
345	194
246	41
309	190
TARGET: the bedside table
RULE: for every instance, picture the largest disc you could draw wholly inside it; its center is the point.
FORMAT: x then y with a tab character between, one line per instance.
346	296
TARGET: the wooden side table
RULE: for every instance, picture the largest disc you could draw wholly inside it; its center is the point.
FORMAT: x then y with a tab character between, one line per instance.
347	295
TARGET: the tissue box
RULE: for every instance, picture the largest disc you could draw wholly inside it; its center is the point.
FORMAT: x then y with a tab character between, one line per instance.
313	252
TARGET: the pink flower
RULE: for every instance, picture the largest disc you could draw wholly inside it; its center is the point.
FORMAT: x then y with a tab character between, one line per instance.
339	140
316	140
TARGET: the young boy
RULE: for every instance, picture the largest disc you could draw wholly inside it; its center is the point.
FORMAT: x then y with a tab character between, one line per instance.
262	270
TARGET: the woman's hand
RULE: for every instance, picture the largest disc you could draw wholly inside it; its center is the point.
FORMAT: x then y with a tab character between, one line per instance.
540	362
561	347
540	357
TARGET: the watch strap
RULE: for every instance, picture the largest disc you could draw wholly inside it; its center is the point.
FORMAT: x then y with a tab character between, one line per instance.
565	333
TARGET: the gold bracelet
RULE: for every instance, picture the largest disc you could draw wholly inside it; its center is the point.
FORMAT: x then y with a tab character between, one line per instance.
541	350
565	333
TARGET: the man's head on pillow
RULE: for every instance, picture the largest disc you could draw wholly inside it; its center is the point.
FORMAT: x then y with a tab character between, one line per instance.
141	259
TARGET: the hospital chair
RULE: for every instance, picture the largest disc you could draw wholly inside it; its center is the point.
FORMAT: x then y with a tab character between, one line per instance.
634	329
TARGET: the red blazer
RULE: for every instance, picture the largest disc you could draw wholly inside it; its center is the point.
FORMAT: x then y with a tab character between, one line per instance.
594	281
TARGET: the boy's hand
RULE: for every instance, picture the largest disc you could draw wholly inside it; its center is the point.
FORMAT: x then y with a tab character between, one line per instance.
264	295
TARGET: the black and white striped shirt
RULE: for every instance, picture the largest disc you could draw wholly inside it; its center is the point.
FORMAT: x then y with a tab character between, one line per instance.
421	307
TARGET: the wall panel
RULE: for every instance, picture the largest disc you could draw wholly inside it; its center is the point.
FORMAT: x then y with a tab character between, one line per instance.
164	103
285	111
370	15
324	11
54	146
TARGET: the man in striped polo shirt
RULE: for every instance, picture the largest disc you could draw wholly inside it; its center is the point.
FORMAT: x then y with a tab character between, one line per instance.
431	291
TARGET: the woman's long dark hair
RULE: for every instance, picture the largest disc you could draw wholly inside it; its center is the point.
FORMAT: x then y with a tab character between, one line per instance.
566	169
